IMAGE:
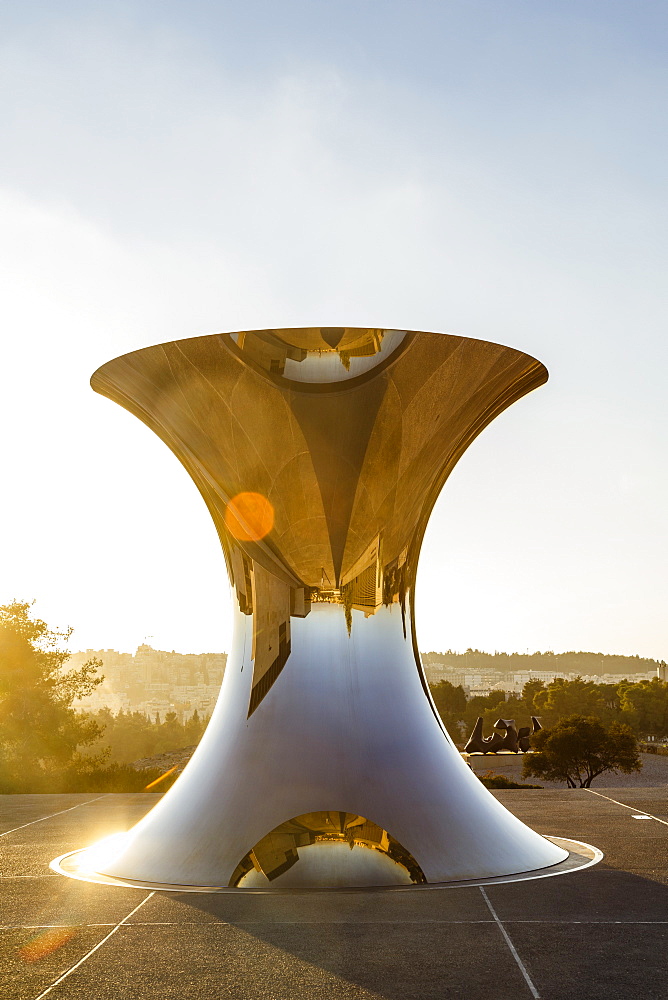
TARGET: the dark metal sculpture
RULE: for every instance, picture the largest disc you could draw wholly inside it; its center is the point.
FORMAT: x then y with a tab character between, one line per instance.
525	733
514	740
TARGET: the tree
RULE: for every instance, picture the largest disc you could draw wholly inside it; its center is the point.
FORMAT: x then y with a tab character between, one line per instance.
130	736
193	729
578	749
561	698
490	706
171	735
529	691
450	701
645	706
40	732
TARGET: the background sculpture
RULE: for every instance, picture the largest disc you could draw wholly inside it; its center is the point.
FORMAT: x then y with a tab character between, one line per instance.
319	453
513	741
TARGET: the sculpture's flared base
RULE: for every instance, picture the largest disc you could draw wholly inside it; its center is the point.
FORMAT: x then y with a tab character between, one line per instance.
81	864
345	746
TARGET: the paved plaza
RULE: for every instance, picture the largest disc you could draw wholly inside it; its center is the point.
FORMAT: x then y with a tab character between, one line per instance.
601	933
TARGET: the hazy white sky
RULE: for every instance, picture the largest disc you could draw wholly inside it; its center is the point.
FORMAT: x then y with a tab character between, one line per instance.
491	169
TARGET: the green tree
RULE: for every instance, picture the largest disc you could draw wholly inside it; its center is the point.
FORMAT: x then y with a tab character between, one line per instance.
450	701
171	735
513	708
644	706
130	736
561	698
40	733
578	749
490	706
529	692
193	729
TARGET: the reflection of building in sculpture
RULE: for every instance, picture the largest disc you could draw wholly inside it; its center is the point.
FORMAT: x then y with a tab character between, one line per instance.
323	349
320	453
278	851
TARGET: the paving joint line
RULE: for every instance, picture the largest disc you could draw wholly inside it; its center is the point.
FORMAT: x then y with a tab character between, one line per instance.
45	875
92	951
624	805
51	815
511	947
319	923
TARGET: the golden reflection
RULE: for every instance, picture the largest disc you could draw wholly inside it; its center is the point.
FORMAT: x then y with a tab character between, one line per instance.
317	354
45	943
279	851
351	432
249	517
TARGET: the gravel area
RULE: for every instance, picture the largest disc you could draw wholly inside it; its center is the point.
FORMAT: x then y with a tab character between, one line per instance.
654	773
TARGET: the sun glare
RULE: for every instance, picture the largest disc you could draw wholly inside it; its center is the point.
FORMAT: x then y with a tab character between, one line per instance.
249	517
98	856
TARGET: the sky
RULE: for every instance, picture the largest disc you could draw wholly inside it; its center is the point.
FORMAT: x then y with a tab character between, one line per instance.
492	170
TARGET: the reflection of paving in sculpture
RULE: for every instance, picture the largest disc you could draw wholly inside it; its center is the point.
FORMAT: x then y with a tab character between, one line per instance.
320	453
514	739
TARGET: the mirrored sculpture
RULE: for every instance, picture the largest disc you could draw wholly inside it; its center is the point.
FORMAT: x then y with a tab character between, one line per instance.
320	453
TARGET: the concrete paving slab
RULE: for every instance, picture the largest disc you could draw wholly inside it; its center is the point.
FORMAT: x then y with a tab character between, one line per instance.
63	901
303	908
595	895
594	962
288	961
363	945
629	845
32	959
653	800
90	821
22	809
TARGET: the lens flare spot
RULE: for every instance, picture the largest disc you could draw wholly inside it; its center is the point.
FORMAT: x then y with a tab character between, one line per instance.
160	778
249	517
46	943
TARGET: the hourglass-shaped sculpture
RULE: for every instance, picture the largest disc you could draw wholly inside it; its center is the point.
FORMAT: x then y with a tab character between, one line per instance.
320	453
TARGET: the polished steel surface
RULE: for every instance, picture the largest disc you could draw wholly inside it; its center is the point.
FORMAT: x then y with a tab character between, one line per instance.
319	453
82	866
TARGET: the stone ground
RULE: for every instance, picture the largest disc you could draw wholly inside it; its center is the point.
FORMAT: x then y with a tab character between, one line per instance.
601	934
165	761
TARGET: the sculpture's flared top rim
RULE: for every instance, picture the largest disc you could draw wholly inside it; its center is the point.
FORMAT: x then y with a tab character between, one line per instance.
315	358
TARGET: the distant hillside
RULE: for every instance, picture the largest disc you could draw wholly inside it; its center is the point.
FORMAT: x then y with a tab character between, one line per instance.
582	663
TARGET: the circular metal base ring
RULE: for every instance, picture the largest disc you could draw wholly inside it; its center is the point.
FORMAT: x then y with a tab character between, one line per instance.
580	856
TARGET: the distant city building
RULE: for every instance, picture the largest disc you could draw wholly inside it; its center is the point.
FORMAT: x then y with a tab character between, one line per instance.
483	682
154	681
437	672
